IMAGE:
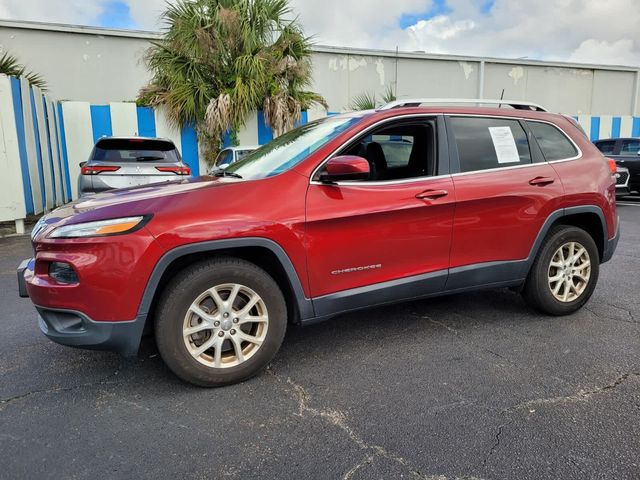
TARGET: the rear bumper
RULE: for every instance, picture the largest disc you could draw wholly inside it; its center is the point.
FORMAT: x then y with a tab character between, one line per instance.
74	329
611	245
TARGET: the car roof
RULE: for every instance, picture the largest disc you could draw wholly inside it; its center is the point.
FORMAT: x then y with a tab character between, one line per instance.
243	147
615	139
134	137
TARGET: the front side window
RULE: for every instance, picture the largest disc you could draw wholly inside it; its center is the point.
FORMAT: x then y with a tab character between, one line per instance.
553	143
397	151
486	143
291	148
606	147
630	147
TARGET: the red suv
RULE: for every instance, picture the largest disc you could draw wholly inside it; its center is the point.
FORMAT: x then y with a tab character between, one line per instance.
343	213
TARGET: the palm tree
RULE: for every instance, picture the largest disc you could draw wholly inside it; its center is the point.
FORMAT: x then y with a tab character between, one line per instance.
219	60
369	101
9	65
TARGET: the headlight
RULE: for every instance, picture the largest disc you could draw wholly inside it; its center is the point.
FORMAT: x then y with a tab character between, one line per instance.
116	226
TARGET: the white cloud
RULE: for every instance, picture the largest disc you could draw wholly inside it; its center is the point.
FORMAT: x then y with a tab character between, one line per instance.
440	28
57	11
594	31
594	51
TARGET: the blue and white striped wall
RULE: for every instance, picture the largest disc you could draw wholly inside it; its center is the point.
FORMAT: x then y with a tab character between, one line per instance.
42	141
609	126
33	169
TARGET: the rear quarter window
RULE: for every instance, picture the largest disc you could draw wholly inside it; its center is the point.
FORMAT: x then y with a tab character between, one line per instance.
554	144
487	143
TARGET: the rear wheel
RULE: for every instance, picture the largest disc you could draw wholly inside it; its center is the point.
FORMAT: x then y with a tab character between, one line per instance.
220	322
564	273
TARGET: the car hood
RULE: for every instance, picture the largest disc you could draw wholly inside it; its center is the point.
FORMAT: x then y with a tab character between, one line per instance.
141	200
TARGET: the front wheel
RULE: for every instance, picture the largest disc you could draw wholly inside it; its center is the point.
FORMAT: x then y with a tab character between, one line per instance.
564	273
220	321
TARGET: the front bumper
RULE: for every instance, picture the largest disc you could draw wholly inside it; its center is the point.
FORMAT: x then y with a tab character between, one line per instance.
75	329
622	192
22	284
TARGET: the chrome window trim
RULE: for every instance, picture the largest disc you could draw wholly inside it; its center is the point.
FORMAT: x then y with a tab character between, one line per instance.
364	132
498	169
418	179
357	183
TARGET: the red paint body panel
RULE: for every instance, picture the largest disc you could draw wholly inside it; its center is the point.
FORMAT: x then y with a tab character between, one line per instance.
484	216
499	214
384	226
113	273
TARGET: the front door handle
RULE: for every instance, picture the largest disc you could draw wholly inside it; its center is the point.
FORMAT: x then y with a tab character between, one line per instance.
541	181
432	194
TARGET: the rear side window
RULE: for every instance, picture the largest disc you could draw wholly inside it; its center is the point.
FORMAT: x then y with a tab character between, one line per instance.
554	144
607	148
134	150
485	143
630	147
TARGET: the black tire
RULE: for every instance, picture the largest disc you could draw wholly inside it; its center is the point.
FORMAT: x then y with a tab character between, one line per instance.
536	290
185	288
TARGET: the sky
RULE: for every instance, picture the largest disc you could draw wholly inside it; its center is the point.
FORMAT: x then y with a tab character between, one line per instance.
586	31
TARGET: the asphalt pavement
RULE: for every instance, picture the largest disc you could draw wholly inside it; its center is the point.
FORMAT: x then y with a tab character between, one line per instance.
474	385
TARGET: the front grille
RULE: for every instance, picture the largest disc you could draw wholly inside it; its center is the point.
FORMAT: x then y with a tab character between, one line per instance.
622	178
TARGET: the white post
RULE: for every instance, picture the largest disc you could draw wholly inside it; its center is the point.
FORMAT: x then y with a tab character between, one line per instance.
634	100
481	80
20	226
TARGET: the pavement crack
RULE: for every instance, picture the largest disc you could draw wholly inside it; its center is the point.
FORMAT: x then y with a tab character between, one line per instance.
632	318
103	381
338	419
442	324
496	442
366	461
457	334
580	396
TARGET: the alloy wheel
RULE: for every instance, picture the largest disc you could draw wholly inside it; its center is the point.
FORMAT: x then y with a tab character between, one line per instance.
569	272
225	325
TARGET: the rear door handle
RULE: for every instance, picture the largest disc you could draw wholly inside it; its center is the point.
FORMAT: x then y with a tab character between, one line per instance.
432	194
541	181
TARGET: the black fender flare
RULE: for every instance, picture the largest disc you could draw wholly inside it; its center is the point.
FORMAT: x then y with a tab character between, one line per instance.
565	212
305	307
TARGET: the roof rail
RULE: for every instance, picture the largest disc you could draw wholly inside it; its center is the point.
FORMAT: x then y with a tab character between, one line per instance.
416	102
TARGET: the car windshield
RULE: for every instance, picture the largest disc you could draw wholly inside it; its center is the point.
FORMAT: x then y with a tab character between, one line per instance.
291	148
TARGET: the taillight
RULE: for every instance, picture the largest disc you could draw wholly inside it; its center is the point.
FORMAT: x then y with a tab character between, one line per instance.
612	166
96	169
176	170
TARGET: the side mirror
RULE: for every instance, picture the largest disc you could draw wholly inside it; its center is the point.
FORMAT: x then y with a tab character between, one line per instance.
82	164
345	167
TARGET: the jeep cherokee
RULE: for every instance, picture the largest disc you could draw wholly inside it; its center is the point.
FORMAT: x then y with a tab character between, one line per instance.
351	211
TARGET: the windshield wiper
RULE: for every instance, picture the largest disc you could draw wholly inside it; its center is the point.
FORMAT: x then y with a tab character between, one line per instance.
224	173
145	158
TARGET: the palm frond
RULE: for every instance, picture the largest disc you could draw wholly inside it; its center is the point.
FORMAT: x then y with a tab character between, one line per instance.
218	60
364	101
10	65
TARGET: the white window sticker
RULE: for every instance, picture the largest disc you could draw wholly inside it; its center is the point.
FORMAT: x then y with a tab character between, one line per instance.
505	144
